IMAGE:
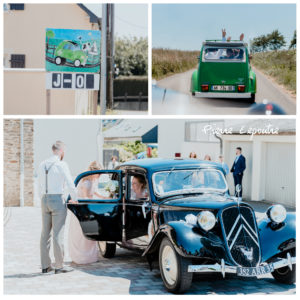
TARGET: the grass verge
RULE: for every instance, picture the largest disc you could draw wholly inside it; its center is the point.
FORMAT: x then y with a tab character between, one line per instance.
166	62
280	65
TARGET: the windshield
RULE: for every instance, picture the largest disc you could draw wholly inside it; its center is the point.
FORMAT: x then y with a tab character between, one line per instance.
222	54
188	181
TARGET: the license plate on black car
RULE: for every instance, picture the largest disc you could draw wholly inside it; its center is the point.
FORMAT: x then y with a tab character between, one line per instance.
255	271
227	88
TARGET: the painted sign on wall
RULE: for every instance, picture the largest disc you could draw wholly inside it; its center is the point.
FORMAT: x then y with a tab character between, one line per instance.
70	50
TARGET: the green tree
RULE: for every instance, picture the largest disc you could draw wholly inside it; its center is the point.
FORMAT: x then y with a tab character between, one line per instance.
131	56
293	41
134	147
276	40
260	43
50	35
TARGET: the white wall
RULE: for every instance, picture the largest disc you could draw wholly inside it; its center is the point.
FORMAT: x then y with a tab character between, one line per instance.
261	178
170	137
78	135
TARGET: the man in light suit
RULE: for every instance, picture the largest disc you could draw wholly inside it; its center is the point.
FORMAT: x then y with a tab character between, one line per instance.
238	168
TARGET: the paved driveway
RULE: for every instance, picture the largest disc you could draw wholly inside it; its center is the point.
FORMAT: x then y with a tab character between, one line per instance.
126	273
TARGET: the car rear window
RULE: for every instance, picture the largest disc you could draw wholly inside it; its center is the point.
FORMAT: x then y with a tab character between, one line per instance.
232	54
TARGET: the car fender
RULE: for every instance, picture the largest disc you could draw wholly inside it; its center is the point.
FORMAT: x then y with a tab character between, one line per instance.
188	241
194	82
275	239
252	81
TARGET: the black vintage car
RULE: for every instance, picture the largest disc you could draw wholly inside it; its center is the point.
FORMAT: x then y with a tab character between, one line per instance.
187	220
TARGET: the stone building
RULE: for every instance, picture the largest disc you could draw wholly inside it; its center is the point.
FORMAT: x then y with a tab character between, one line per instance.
12	165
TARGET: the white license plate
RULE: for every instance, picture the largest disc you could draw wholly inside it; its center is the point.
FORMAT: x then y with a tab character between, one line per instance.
226	88
253	272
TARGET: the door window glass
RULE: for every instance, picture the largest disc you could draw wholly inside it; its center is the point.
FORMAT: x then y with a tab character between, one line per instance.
138	188
99	186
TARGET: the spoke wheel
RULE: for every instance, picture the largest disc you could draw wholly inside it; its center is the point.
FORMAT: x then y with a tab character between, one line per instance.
174	268
169	265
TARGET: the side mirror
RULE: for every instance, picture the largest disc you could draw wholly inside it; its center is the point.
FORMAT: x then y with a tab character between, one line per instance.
250	56
198	57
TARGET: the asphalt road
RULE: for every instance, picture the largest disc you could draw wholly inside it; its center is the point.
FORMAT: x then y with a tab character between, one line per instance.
126	273
178	99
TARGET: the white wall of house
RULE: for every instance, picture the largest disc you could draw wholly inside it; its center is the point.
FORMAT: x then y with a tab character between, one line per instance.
270	172
24	32
170	137
270	160
171	140
80	137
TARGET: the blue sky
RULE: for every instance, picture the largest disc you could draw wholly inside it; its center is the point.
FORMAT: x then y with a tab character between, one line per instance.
186	26
71	34
130	19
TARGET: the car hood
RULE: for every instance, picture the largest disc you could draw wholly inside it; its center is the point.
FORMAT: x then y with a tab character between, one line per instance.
205	201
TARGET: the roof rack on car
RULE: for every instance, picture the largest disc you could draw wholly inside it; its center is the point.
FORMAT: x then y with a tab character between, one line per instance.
232	43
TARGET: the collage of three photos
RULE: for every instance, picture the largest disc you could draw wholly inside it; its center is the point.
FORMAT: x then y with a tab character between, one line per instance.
149	148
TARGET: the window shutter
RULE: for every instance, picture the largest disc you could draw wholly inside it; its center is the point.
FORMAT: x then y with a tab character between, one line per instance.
17	61
17	6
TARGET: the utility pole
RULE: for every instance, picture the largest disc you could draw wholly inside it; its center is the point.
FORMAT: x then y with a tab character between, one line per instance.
110	55
103	60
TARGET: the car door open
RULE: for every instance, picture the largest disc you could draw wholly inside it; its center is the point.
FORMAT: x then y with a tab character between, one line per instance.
99	207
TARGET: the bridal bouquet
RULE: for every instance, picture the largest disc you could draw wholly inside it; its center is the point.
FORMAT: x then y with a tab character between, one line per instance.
111	187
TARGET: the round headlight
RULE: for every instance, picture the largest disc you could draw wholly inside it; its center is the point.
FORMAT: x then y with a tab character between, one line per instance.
277	213
206	220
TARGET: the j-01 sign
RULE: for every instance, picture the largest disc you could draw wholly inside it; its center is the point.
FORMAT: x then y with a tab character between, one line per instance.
70	50
72	81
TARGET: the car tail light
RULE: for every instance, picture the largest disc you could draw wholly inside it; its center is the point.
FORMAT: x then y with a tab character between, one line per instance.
204	87
241	88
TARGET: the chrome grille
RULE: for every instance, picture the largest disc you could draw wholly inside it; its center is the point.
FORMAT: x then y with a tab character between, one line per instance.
240	233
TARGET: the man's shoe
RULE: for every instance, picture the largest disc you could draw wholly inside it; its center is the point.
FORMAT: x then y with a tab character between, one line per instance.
64	270
47	270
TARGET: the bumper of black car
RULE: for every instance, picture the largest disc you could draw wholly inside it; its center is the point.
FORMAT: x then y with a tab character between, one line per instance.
244	272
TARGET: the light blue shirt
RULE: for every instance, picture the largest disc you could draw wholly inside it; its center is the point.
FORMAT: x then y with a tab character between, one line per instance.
237	158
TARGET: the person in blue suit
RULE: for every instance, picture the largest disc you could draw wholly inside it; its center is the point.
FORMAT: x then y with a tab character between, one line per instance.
238	168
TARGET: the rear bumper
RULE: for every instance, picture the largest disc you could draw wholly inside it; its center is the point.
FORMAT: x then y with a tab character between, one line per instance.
222	268
221	95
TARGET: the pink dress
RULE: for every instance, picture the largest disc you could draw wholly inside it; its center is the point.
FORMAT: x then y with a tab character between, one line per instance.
82	250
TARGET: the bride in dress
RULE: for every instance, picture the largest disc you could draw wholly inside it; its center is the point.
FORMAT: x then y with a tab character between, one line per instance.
82	250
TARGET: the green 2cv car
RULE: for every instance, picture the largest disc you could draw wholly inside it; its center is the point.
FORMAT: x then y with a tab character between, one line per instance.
71	51
224	71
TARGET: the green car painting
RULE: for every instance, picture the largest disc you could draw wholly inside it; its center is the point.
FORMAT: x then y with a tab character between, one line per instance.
224	71
70	51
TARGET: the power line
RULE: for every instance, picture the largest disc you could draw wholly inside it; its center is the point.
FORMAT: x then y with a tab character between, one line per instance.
132	24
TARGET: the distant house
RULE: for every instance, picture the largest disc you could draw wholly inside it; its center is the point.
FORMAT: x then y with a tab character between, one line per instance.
24	57
133	130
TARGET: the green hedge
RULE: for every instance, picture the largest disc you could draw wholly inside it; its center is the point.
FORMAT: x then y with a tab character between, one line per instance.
132	85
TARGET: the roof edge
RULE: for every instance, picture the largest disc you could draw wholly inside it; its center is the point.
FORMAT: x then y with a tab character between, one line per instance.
93	17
